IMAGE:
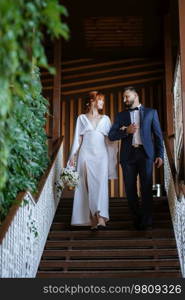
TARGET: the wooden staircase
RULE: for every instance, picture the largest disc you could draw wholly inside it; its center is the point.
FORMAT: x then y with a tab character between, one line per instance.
117	252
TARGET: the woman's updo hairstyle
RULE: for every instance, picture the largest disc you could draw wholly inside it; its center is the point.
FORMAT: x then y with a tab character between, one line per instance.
91	97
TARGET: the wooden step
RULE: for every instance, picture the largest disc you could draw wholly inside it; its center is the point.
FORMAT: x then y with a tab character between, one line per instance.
113	204
113	217
111	243
114	210
87	234
119	200
111	274
111	225
115	264
131	253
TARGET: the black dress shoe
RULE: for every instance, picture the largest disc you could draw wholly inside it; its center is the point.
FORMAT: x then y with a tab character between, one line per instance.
146	222
101	227
143	226
137	222
94	228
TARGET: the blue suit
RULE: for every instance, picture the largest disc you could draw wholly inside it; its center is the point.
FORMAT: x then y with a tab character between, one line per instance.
136	161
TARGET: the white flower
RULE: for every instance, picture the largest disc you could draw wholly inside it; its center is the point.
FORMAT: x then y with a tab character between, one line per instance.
68	177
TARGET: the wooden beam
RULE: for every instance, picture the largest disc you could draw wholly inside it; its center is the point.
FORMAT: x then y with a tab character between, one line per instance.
109	86
169	126
111	78
57	91
182	60
110	70
104	64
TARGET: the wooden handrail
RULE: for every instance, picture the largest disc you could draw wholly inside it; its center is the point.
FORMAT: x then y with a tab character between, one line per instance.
170	157
19	199
179	186
45	175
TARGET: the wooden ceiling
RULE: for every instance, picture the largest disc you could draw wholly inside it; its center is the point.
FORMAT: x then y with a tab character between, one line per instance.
116	28
105	33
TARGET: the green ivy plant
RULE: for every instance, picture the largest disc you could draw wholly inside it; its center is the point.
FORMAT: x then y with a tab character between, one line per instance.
23	142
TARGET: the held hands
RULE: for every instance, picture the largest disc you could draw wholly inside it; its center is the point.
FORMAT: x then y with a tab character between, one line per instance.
130	129
158	162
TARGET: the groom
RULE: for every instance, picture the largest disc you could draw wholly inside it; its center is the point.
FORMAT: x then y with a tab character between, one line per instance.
139	130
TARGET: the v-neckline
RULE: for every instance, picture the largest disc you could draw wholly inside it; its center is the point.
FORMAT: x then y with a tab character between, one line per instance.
91	122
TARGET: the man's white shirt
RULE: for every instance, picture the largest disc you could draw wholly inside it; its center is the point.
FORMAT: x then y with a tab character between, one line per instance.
135	118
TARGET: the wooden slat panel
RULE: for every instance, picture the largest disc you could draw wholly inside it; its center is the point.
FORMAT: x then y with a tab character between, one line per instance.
111	104
135	74
143	95
104	64
110	70
71	127
63	117
114	30
81	60
151	100
57	91
94	65
168	77
63	126
109	86
120	178
80	108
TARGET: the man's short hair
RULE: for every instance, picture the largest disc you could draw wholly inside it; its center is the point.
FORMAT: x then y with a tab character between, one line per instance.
130	88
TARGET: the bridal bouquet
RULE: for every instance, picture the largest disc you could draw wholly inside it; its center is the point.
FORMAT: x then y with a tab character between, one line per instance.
68	177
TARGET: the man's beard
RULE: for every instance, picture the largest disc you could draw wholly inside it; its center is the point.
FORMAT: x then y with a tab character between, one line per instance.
128	105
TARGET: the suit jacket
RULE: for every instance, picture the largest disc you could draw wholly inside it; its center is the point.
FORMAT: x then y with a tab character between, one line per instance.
150	131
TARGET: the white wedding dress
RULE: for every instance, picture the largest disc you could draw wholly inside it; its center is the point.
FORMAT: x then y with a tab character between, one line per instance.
96	163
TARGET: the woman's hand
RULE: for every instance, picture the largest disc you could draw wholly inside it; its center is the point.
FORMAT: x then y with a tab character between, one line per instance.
72	162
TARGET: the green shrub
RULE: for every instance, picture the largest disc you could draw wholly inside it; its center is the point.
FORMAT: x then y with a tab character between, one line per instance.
23	147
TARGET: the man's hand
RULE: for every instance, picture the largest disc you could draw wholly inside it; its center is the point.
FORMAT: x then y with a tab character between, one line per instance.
158	162
132	128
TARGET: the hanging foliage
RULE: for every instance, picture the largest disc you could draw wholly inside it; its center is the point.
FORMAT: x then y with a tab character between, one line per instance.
23	147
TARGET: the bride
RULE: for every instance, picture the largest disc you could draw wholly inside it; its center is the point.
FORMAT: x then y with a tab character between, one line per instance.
96	159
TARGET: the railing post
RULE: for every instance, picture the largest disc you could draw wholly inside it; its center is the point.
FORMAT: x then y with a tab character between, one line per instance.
57	92
182	60
169	81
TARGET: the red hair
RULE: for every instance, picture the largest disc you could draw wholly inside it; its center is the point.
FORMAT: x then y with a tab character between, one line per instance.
91	97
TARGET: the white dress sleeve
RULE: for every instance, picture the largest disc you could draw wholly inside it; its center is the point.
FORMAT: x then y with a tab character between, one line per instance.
112	149
76	139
